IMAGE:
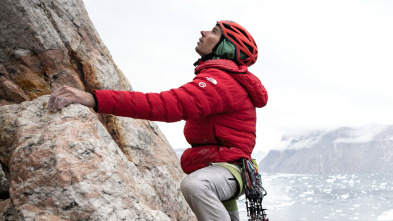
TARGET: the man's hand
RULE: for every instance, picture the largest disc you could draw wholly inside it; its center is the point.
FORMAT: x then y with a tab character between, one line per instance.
68	95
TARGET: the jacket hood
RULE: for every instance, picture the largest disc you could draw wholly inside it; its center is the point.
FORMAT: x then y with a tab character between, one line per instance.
255	89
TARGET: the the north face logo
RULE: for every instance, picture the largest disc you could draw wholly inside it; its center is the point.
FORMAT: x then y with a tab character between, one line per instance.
202	84
211	80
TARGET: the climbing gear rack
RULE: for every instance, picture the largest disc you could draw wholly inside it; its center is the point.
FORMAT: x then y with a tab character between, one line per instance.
254	191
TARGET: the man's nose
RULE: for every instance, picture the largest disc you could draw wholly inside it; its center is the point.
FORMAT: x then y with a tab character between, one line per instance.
204	33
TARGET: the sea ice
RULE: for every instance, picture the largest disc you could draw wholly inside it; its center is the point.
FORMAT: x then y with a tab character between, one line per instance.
387	215
345	196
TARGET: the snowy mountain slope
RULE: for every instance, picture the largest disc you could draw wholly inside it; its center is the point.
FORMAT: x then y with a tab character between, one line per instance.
367	149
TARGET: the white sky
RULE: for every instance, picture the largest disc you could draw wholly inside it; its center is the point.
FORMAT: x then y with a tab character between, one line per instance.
325	63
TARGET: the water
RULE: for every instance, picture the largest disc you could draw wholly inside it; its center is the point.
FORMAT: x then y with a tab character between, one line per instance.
326	197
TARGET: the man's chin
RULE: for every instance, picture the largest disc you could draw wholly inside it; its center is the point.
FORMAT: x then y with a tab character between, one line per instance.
198	51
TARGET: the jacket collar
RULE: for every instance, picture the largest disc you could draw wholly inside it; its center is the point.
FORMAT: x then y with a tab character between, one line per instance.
222	64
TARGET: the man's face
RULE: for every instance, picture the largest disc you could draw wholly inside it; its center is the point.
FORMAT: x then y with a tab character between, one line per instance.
208	40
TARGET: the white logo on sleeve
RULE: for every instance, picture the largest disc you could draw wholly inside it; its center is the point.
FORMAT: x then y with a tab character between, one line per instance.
211	80
202	84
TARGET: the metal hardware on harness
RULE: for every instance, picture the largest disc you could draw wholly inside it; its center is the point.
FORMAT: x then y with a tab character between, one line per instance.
254	191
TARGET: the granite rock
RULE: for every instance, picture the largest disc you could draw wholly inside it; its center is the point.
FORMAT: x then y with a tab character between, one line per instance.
45	44
65	165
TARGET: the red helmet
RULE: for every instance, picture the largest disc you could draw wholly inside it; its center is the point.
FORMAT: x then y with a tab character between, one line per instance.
246	48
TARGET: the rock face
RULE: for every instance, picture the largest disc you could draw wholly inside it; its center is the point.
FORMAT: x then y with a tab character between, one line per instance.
67	166
4	186
44	45
344	150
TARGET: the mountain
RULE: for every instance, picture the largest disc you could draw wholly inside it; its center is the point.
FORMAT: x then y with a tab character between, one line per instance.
367	149
258	155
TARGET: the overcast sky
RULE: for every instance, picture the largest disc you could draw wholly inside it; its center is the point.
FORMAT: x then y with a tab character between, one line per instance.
325	63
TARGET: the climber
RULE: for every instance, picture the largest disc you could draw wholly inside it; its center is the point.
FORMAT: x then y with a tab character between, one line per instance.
219	106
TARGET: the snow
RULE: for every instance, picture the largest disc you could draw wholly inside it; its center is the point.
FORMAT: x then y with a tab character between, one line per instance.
387	215
362	134
343	135
297	142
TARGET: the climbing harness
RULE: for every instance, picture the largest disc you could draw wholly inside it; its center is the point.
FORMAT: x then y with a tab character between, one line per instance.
253	190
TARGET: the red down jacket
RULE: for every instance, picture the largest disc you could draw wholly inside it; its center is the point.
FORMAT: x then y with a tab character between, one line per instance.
218	106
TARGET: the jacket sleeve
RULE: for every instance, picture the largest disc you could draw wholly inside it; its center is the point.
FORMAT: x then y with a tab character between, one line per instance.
193	100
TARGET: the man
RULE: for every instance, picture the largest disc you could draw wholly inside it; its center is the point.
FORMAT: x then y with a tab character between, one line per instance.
219	106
